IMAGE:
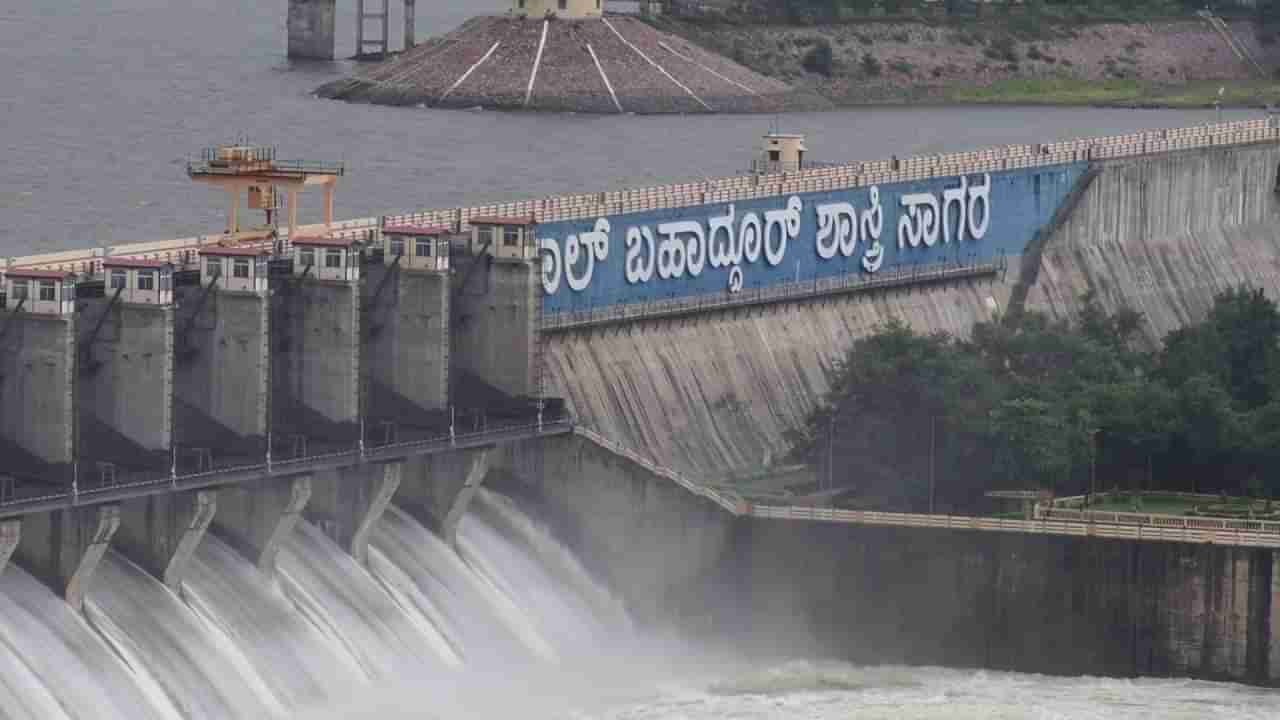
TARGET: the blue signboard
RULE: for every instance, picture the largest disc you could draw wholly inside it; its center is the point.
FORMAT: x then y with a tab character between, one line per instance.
729	247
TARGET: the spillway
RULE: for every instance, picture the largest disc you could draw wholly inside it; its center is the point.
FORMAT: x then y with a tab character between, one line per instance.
238	643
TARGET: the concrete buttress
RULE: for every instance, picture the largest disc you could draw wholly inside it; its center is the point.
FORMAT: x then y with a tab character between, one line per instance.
257	518
347	503
125	384
315	366
496	313
222	370
438	488
407	331
63	548
37	390
162	532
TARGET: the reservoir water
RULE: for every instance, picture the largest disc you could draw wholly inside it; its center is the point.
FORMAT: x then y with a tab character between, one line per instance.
101	101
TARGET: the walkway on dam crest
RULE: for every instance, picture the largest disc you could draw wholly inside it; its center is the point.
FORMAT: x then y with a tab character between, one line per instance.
284	468
1119	526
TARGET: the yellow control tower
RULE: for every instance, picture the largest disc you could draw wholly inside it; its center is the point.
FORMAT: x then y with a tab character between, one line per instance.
254	171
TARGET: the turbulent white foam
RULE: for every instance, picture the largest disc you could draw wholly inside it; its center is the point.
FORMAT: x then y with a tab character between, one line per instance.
513	626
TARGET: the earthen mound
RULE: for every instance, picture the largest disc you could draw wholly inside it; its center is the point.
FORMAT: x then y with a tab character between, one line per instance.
609	65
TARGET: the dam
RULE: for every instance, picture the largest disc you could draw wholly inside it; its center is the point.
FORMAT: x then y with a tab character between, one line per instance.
282	400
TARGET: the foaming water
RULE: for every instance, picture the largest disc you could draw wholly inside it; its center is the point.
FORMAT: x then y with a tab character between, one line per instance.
508	625
53	665
202	672
832	690
337	594
300	664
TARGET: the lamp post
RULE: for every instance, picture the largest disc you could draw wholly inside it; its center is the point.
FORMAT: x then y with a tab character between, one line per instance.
1093	464
933	435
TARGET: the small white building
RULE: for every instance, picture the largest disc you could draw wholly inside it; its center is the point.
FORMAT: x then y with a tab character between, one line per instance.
781	152
238	269
325	257
418	247
43	292
141	282
509	238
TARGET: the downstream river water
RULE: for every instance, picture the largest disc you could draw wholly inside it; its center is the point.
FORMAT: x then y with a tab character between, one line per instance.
101	101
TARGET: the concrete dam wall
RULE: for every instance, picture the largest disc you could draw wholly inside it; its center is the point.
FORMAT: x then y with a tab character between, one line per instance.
716	392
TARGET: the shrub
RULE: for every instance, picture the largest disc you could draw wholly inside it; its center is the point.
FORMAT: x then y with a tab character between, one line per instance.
819	59
902	37
901	66
870	65
1002	48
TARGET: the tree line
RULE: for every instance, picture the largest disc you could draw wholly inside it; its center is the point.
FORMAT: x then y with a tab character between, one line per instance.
1030	402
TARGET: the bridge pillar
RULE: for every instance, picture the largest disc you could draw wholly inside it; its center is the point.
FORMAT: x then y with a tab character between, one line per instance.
63	548
347	503
497	306
438	488
257	518
37	383
410	34
311	25
125	385
406	323
162	532
315	368
222	371
10	535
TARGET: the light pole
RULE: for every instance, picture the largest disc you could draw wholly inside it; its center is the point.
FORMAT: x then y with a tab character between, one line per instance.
933	440
1093	464
831	438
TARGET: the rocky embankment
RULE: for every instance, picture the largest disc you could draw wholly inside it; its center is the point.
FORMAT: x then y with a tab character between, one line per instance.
602	66
1006	59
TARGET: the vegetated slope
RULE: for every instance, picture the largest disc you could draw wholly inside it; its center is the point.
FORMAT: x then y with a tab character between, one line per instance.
720	393
614	65
997	59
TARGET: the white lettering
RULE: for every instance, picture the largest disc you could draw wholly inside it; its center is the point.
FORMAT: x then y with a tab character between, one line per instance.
550	265
728	252
749	234
788	223
640	269
979	229
956	196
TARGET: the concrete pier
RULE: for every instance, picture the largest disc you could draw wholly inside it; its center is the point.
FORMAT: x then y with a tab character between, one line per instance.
437	489
496	311
37	389
125	385
162	532
257	518
311	26
315	388
63	548
410	33
222	371
346	504
406	322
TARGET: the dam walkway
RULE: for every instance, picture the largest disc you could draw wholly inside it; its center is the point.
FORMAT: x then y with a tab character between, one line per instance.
270	468
1047	521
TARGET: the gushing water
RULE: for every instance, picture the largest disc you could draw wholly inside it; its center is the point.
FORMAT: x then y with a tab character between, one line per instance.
507	624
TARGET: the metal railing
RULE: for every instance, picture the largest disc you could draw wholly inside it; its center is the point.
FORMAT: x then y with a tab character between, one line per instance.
785	292
1157	520
149	482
